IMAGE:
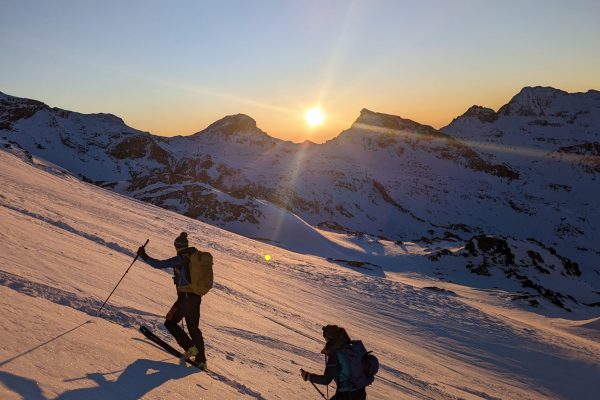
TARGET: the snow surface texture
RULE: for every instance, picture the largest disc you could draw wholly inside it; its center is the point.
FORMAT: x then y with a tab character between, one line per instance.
65	244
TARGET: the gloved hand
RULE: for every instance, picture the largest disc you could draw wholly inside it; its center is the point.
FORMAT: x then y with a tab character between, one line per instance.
305	375
142	252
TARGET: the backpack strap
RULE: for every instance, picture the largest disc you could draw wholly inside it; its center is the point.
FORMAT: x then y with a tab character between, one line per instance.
182	275
345	375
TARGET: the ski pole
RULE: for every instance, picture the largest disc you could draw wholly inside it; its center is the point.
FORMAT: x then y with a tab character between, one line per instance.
321	393
326	368
136	257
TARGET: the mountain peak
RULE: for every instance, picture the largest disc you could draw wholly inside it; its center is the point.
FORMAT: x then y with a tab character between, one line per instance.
374	118
531	101
483	114
106	117
308	143
540	91
232	124
370	119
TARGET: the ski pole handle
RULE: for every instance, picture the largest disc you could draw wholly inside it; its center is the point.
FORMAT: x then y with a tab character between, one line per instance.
136	256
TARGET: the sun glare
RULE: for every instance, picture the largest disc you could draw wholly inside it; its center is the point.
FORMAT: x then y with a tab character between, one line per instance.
314	117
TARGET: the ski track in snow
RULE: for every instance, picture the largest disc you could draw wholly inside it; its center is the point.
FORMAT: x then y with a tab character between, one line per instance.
239	387
124	316
64	226
267	341
483	395
422	385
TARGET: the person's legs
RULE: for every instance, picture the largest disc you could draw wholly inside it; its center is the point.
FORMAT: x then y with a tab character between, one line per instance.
360	394
176	314
192	319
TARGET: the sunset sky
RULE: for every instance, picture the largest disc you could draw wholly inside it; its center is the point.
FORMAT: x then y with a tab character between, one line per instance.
175	67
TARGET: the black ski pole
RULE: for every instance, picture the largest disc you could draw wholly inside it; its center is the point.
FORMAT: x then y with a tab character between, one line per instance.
136	257
326	368
321	393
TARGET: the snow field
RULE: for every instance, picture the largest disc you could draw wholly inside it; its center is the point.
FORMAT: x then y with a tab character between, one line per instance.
65	244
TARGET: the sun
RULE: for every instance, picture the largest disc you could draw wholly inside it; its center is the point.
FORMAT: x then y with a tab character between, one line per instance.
314	117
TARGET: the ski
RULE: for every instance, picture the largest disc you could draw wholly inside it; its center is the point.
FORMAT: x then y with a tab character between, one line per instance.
166	346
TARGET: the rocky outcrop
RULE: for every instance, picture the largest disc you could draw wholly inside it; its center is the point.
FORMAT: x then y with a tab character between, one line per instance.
588	155
131	148
13	109
482	114
528	262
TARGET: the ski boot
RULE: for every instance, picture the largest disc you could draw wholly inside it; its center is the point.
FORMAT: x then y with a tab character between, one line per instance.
201	363
189	353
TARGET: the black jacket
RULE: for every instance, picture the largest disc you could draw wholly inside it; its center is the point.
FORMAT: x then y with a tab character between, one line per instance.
333	367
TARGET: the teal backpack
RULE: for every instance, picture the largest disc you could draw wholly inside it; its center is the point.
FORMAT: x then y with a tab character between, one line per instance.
358	366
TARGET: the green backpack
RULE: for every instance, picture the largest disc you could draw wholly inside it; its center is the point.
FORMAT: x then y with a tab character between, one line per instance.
201	272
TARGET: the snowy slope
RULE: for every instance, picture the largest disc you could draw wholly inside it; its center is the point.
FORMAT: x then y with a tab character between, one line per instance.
64	244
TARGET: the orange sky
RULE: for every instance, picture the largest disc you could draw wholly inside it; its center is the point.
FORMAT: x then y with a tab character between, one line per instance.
430	107
176	69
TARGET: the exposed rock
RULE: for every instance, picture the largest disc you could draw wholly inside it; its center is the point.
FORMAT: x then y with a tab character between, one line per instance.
13	109
132	147
494	257
588	155
483	114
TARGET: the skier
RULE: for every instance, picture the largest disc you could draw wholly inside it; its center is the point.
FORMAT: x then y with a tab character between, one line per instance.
337	368
188	303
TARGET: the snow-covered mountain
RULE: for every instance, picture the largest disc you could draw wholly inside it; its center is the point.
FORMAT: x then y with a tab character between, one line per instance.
65	243
218	174
519	174
553	139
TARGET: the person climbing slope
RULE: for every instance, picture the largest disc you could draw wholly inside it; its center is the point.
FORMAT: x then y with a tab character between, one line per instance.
193	277
348	363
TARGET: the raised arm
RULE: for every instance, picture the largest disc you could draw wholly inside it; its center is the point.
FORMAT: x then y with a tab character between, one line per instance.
160	264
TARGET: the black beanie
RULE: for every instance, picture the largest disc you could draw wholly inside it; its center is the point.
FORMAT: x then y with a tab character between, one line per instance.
181	242
335	334
331	331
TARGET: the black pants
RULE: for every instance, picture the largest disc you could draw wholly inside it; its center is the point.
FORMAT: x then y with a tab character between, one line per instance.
360	394
187	306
